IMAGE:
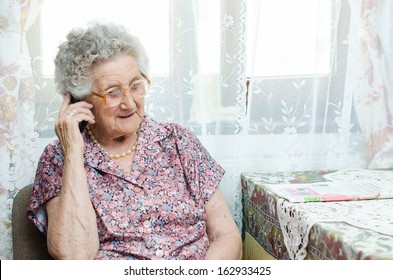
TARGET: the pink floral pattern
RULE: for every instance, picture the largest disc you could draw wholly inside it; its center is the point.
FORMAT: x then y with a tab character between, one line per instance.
157	210
372	83
18	138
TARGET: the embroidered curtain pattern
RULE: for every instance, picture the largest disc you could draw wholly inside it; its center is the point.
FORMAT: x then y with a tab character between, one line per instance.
371	43
17	96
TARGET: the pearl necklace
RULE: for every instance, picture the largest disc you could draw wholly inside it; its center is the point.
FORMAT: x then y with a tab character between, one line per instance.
117	156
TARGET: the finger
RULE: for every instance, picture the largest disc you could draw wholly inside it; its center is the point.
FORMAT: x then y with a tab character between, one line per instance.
84	117
65	103
81	104
70	113
79	110
77	115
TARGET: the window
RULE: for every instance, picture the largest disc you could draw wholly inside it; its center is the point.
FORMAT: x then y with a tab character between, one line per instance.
295	53
58	17
298	67
288	38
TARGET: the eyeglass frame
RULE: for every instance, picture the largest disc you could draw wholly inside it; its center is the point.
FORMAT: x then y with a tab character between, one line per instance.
124	91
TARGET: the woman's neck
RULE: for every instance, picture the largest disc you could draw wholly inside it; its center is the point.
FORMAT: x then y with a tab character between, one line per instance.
115	147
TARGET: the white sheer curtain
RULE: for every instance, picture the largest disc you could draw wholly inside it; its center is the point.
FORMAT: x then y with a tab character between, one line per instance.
17	136
303	121
253	108
371	76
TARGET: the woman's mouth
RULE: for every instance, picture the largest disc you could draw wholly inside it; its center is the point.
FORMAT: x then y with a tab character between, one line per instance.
126	116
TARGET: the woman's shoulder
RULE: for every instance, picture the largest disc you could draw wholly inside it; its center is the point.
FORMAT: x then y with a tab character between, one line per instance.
53	148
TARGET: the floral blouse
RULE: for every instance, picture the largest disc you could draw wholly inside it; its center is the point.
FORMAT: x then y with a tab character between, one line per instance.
155	212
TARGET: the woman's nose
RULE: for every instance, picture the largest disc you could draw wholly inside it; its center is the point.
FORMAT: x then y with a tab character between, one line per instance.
128	101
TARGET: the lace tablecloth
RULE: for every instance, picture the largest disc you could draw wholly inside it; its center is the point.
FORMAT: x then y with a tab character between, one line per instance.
297	219
317	230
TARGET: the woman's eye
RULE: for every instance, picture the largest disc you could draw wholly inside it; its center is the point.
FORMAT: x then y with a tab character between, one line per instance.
114	91
135	86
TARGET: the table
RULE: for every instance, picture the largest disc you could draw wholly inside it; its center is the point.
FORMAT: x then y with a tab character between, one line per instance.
277	229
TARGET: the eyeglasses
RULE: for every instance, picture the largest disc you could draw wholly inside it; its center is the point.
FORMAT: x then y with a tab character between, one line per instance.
113	96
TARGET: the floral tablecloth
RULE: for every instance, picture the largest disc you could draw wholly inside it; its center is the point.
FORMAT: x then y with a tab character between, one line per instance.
325	230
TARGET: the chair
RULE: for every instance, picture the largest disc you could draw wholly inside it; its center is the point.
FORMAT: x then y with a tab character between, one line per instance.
27	241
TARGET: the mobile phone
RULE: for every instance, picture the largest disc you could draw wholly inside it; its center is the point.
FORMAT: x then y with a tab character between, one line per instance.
82	124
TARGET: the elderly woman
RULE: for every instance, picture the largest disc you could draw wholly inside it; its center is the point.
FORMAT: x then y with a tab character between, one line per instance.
126	186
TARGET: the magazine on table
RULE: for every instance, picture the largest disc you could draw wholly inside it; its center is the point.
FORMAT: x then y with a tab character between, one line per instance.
332	191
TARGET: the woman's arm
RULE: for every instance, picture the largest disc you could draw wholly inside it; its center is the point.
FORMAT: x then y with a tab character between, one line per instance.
72	226
224	236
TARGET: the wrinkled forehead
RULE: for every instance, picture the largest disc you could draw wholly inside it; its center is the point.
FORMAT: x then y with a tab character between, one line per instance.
121	69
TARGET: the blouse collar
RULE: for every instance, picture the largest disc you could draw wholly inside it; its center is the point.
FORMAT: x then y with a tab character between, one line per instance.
150	135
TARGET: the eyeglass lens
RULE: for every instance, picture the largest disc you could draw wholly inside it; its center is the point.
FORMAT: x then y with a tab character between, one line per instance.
115	95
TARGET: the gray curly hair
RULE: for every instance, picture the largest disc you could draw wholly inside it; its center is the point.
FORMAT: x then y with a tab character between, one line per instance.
85	47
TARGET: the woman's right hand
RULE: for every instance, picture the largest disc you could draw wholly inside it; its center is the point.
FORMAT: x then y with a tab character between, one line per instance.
67	124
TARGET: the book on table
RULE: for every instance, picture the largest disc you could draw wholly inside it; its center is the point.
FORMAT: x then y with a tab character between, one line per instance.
332	191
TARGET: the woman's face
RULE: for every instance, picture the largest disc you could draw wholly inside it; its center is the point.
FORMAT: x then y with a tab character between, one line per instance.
125	118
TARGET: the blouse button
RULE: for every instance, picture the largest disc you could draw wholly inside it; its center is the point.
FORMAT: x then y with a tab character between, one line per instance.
146	224
159	253
137	190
